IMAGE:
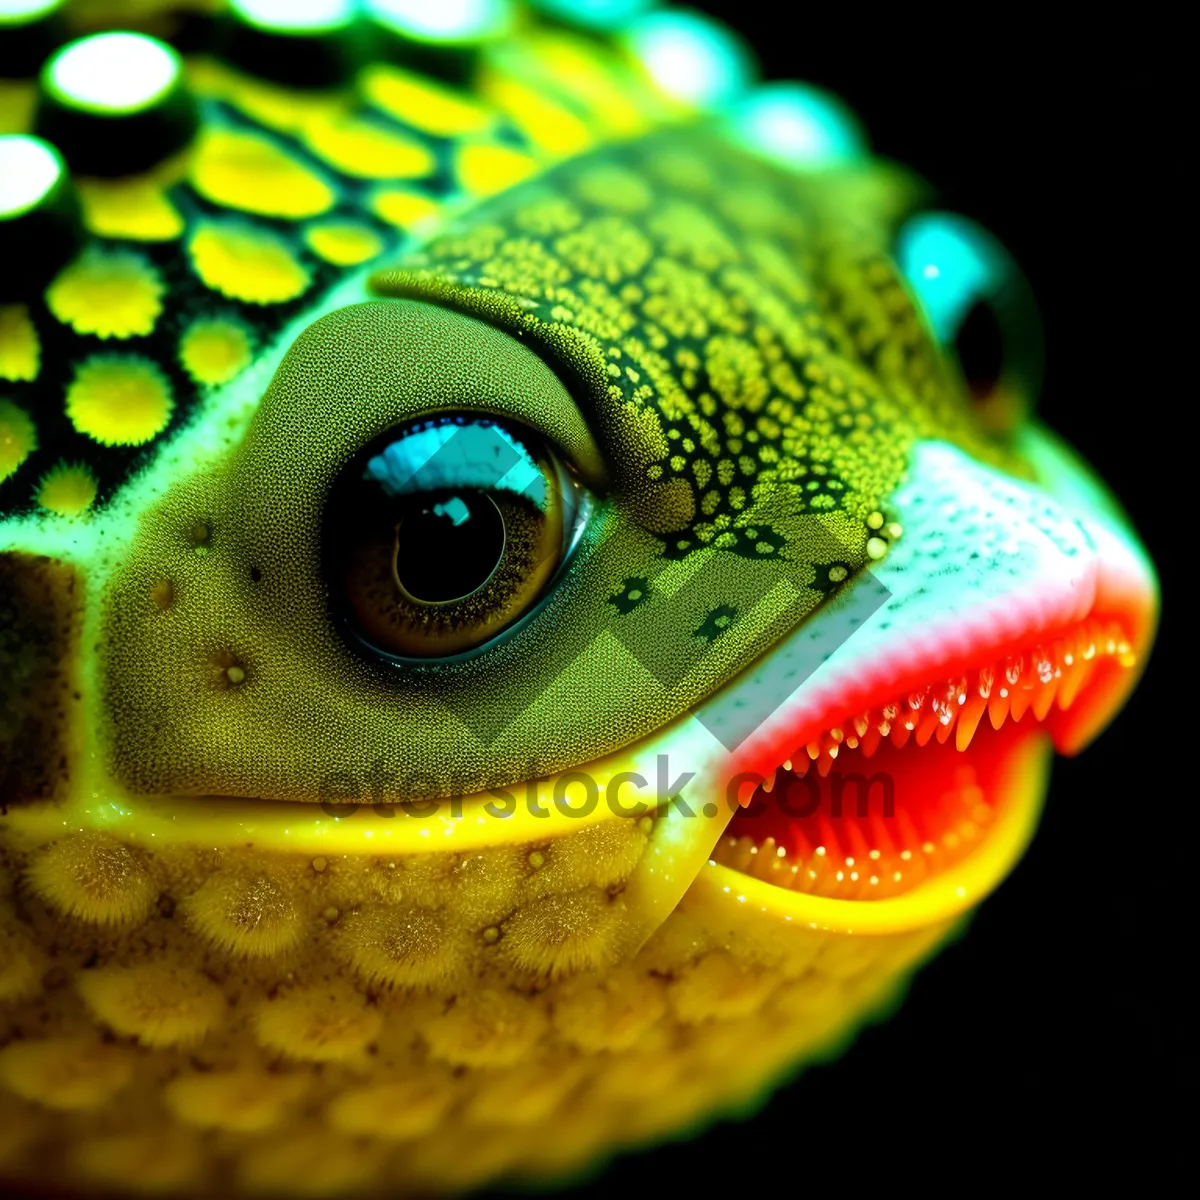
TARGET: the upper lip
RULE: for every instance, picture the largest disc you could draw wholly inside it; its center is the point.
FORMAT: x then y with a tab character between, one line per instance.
930	630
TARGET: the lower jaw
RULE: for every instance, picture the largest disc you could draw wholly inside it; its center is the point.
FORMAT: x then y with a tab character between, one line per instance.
759	912
912	811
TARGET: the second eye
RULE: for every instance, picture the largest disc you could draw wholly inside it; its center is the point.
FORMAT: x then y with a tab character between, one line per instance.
442	533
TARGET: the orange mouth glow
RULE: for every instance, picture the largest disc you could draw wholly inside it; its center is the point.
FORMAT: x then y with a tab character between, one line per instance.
892	795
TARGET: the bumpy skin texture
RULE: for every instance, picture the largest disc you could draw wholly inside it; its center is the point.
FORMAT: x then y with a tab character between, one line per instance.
727	356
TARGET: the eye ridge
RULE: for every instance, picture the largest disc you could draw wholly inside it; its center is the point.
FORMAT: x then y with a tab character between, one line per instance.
443	535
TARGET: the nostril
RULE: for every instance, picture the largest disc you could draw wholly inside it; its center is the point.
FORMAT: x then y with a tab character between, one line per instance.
199	534
162	592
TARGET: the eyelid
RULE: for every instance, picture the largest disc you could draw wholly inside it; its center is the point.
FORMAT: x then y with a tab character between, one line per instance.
368	367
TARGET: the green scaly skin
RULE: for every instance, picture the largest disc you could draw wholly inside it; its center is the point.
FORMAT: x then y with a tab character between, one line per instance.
230	956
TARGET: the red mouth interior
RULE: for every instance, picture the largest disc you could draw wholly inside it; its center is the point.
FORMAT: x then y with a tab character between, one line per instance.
896	793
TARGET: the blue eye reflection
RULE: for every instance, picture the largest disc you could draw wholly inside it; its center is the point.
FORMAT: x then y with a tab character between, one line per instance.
458	454
445	534
455	508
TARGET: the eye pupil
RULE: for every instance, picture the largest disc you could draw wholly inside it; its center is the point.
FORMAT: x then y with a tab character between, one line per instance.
447	547
979	344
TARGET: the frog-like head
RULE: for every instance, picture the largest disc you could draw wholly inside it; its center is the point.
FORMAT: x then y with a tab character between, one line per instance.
560	673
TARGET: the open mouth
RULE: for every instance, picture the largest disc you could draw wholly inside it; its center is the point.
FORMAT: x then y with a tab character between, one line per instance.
893	795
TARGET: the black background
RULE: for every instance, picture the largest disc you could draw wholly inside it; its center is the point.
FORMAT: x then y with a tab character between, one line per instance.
1048	1042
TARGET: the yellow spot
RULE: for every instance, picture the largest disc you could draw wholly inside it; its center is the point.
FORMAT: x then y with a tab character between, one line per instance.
367	151
717	986
400	207
601	855
94	878
421	104
214	351
876	548
249	172
526	1096
119	400
485	169
64	1072
67	489
245	263
408	1108
610	1015
18	437
108	293
137	209
404	947
154	1003
20	351
318	1024
242	1101
562	934
486	1028
285	109
612	97
547	124
251	916
343	243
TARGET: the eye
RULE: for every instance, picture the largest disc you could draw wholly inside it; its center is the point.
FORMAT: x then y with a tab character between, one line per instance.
981	309
443	533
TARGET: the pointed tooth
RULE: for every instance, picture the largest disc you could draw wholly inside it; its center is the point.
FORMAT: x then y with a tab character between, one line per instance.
787	764
968	721
870	743
801	767
768	784
861	724
1073	681
742	853
1043	701
900	735
997	709
824	765
765	861
814	750
925	728
1020	698
945	728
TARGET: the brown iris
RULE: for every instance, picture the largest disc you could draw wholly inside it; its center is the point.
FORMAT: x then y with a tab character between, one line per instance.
442	533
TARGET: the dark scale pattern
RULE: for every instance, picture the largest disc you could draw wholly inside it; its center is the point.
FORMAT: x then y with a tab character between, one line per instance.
185	298
752	354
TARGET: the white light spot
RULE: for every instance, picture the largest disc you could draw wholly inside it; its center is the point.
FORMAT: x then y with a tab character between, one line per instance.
113	72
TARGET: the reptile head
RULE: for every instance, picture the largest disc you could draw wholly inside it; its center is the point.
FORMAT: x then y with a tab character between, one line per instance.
575	666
